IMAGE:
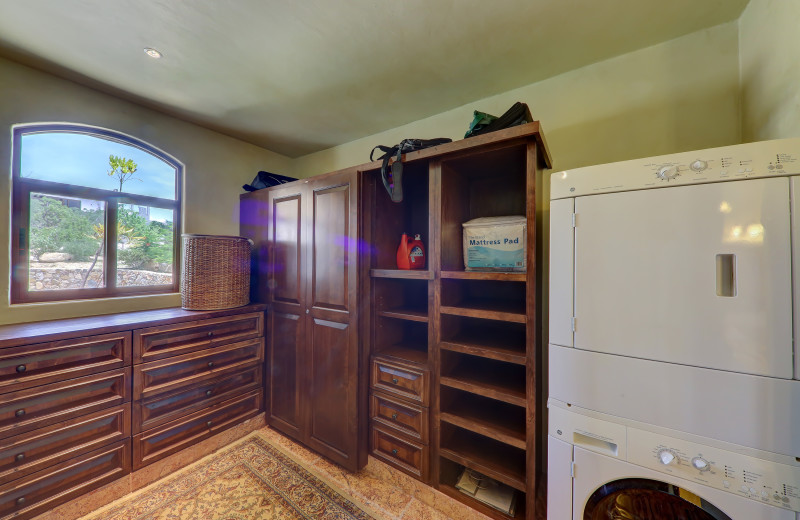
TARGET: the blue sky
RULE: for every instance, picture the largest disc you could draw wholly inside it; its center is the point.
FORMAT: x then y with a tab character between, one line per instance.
83	160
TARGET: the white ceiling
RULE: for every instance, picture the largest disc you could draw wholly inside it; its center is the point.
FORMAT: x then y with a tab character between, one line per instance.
304	75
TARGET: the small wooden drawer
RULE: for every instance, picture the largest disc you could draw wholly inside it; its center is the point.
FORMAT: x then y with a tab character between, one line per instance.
157	443
399	379
37	450
171	340
41	491
408	419
206	391
179	372
407	456
34	408
27	366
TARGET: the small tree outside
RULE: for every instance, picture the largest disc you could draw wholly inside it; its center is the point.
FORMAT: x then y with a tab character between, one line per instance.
122	168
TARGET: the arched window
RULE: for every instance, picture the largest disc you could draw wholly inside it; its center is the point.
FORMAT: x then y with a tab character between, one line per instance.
95	214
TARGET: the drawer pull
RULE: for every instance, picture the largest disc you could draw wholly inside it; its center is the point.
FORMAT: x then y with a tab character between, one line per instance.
21	369
209	392
395	380
20	412
210	364
208	424
210	334
20	457
394	416
21	501
394	451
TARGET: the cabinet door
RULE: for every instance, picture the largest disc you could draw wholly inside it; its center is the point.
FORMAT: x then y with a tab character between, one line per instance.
286	300
331	351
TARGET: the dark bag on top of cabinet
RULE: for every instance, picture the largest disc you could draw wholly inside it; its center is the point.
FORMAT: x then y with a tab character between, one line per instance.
265	180
483	123
393	178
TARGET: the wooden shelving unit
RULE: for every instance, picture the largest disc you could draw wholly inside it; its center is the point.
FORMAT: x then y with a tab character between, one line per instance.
473	335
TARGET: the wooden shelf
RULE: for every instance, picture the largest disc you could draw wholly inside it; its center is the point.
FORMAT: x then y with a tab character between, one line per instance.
488	309
406	313
498	461
491	422
401	274
485	275
453	492
486	345
496	384
409	352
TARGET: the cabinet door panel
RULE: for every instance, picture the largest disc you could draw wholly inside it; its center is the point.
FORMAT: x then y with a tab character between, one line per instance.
286	247
330	254
286	333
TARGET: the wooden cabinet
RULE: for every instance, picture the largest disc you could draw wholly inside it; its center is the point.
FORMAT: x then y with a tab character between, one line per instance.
85	401
307	258
459	352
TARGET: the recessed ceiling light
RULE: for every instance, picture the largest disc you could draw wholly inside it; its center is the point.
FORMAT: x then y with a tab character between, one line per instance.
152	52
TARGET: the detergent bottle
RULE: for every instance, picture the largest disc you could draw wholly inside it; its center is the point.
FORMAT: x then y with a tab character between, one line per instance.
411	253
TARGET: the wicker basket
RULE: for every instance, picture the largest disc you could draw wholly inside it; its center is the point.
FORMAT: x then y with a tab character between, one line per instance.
215	272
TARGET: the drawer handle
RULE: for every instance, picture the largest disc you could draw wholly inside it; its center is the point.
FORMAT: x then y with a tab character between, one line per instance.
395	380
209	392
208	424
210	334
21	501
20	457
20	412
210	364
21	369
394	416
394	451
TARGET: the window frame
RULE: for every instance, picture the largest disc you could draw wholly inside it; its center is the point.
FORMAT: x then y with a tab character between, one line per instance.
22	187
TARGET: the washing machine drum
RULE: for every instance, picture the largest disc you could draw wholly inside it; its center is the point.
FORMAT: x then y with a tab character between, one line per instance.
644	499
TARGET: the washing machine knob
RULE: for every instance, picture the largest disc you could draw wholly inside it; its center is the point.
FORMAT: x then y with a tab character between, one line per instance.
666	173
698	165
666	457
700	463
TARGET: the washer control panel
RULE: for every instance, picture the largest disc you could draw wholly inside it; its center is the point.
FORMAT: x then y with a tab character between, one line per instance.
763	159
762	480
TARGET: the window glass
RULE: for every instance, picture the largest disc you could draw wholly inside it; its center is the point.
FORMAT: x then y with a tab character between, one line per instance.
84	160
145	246
67	236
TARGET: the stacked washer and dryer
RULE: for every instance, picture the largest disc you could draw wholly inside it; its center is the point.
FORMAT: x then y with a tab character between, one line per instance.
674	380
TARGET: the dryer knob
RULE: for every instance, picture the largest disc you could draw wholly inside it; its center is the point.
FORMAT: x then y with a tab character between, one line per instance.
700	463
665	173
666	457
698	165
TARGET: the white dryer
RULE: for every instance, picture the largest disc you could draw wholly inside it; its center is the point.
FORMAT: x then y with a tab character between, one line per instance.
672	282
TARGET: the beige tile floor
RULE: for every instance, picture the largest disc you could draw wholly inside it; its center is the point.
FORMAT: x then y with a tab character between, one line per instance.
388	492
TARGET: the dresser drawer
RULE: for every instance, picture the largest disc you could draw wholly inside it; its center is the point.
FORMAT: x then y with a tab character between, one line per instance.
408	419
205	391
179	372
171	340
407	456
55	403
401	380
39	449
174	436
42	363
41	491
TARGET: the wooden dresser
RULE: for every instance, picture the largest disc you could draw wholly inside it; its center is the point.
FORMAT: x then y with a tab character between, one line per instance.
85	401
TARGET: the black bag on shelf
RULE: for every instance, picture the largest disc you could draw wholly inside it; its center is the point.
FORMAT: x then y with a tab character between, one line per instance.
393	179
265	180
483	123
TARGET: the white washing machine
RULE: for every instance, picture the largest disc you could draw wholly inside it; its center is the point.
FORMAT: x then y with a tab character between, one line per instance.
671	297
604	468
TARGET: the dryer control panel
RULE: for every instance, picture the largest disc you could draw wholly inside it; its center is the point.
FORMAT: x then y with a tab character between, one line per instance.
763	159
765	481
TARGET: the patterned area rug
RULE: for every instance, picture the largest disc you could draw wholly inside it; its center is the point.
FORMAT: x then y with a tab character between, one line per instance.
251	480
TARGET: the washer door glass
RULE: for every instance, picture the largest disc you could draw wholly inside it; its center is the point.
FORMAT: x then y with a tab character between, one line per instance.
644	499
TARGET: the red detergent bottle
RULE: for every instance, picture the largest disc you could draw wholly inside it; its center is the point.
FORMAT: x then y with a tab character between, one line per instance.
411	253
